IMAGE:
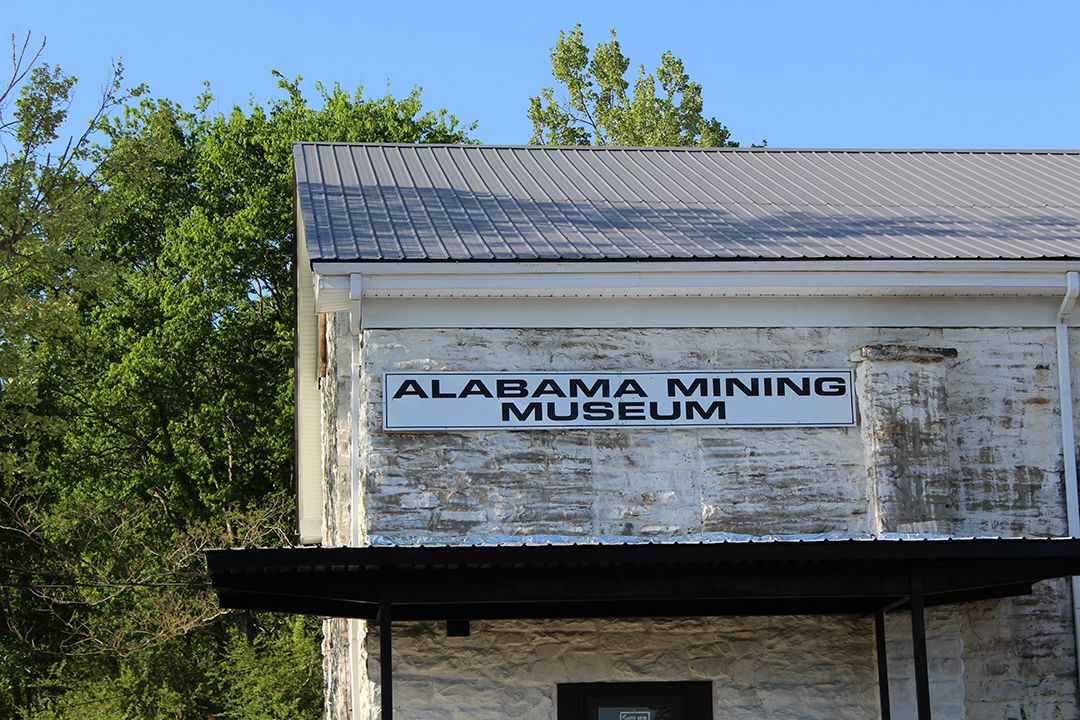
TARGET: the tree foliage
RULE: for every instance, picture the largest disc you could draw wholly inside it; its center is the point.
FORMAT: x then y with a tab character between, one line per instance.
146	393
597	107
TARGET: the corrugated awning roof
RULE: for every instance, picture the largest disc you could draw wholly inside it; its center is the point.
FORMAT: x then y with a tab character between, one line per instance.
636	579
376	202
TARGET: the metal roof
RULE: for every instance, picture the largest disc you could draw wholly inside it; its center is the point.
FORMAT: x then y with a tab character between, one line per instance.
381	202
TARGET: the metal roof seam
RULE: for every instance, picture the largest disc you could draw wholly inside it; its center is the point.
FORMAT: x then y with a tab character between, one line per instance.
426	217
479	212
524	250
585	236
549	199
367	210
524	214
701	249
408	217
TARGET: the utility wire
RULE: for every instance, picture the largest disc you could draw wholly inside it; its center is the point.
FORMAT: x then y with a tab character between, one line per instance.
45	586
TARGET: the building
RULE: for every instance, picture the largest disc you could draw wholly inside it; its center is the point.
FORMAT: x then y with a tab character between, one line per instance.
633	434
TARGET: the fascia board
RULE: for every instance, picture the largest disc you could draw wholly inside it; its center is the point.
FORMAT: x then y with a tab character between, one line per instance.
703	266
308	399
567	280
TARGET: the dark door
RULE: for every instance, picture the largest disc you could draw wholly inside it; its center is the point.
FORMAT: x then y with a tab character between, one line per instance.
635	701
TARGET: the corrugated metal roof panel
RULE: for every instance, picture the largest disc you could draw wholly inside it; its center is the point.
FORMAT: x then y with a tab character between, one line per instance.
368	202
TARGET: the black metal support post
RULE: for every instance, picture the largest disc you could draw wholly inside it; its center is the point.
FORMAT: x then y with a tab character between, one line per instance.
386	652
918	638
882	665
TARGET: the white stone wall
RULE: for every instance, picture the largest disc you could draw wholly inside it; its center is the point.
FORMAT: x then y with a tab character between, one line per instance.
986	428
610	482
1002	450
945	661
790	667
336	646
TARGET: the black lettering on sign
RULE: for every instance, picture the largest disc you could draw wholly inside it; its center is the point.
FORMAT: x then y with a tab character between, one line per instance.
534	409
553	414
675	414
601	386
696	387
437	392
511	388
731	383
548	386
830	386
598	411
630	386
613	399
410	387
785	383
716	408
475	387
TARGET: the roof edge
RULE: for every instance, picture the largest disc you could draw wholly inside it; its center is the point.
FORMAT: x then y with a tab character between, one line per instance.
669	148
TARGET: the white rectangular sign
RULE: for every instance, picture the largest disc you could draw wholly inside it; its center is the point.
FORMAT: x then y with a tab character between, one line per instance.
703	398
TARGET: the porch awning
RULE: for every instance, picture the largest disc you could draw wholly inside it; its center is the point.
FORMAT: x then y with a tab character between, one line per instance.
603	579
624	580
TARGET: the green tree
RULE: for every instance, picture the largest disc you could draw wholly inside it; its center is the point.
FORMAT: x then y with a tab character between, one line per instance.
597	109
50	202
156	420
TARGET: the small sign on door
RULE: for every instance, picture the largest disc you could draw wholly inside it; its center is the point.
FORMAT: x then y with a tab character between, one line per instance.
639	713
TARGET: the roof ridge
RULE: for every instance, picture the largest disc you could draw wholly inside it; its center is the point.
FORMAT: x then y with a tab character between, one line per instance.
759	150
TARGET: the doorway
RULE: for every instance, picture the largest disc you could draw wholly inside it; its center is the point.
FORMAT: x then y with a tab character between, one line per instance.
635	701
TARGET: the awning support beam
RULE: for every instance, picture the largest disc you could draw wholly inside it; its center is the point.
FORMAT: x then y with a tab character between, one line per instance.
882	665
918	640
386	656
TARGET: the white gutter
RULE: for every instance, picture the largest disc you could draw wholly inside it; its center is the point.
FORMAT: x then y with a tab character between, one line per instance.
334	285
1068	437
666	267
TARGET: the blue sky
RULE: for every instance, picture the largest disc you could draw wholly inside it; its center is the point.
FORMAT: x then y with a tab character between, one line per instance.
875	73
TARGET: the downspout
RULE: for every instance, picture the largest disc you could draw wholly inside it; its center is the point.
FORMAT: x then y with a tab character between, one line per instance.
356	634
1068	437
356	293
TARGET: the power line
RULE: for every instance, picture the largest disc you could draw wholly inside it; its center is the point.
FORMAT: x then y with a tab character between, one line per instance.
55	586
